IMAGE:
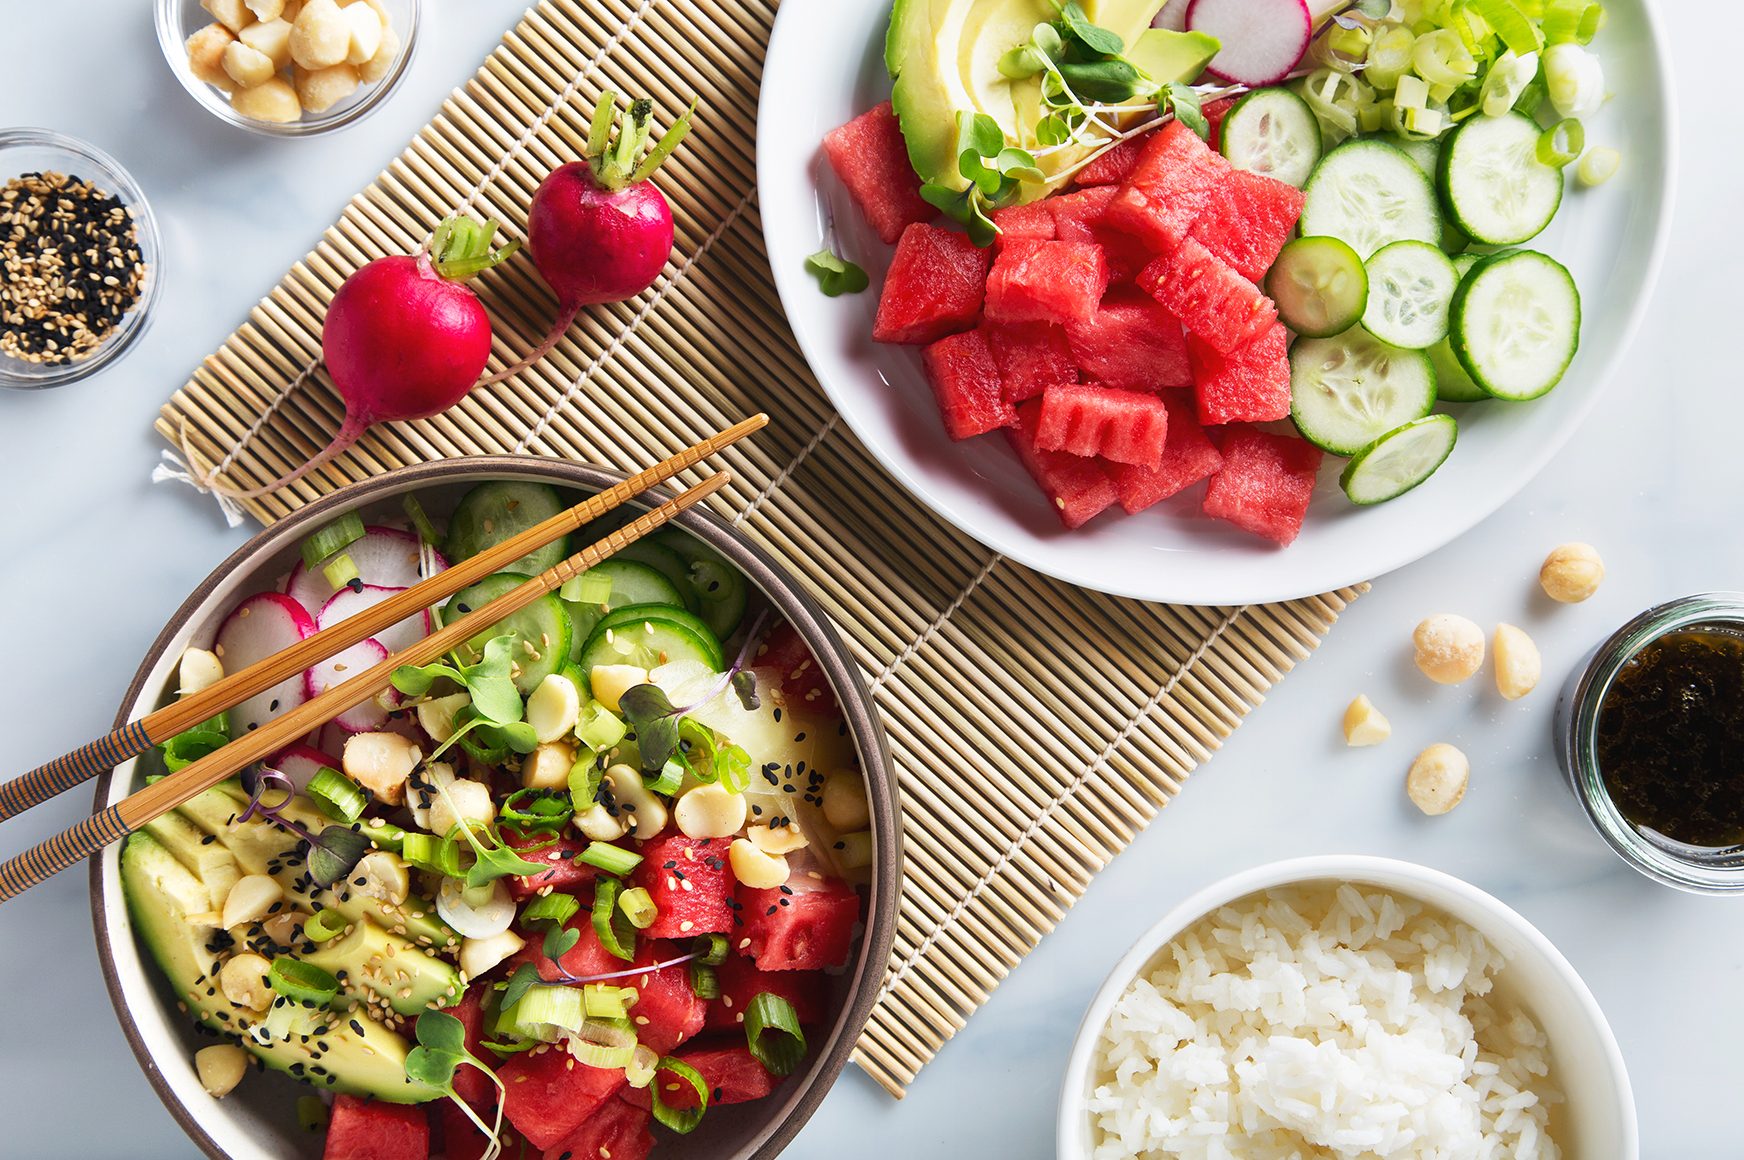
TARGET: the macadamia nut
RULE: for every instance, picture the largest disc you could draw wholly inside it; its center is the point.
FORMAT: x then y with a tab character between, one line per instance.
1437	780
274	101
366	33
1571	573
377	66
1364	724
272	37
321	89
206	56
248	67
321	36
1450	649
232	14
1518	665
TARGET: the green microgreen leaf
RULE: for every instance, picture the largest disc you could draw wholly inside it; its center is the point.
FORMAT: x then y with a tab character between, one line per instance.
1022	62
493	689
1076	24
980	134
519	983
1047	41
335	852
559	941
650	714
1184	103
1019	164
1112	81
745	688
1053	130
835	275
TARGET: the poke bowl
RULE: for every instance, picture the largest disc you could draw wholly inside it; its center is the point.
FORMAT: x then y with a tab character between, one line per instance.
388	930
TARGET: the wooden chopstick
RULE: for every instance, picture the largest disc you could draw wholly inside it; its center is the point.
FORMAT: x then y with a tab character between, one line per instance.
136	737
50	857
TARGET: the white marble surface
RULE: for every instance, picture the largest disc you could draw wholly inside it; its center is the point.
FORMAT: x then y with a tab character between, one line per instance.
95	558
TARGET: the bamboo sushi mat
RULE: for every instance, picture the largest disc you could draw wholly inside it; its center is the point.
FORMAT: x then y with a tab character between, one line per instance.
1079	725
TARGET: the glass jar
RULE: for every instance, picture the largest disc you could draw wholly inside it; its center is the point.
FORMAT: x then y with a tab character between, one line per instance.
1700	869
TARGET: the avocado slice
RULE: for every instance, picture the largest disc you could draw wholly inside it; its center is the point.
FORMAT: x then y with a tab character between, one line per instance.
369	959
349	1053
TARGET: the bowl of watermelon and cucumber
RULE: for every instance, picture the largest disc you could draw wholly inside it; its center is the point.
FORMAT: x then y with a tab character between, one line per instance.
260	1120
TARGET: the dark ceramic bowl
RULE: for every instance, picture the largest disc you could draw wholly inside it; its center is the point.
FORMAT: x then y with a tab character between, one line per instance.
258	1120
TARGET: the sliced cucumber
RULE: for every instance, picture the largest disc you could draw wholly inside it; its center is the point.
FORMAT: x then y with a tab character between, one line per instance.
632	584
541	631
670	564
1274	132
1348	391
1492	183
718	588
1368	194
651	635
1411	285
1320	286
492	512
1399	460
1452	384
1516	324
1425	151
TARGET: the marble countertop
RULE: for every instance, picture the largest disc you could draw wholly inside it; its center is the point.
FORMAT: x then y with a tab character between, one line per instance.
1653	479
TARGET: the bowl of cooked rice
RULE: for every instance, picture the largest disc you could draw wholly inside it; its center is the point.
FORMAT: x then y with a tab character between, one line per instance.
1345	1007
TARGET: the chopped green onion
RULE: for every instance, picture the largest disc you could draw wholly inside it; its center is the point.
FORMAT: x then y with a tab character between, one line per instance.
855	850
773	1034
1389	57
420	520
311	1113
683	1121
1562	142
185	748
324	925
703	981
1412	92
553	907
336	795
1424	122
601	1001
536	809
614	930
1599	165
640	1070
612	859
1351	43
547	1013
587	588
638	906
1441	58
1572	21
584	783
332	539
340	570
671	777
599	1055
1511	24
599	728
710	949
302	982
428	852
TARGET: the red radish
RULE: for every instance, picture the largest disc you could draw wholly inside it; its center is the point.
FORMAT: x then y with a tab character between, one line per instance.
1263	40
351	601
256	629
1173	16
343	666
385	558
300	762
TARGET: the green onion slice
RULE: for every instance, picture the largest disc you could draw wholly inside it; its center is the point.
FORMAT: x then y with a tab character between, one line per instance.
184	749
599	728
332	539
324	925
528	810
420	520
612	859
1562	142
671	777
640	1070
613	928
710	949
340	570
772	1032
1572	21
1511	24
428	852
338	796
704	981
638	906
680	1120
302	982
603	1001
554	907
597	1055
584	783
547	1013
587	588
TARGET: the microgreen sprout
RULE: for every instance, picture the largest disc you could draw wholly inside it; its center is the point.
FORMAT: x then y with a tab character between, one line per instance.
441	1051
498	860
672	745
333	853
835	274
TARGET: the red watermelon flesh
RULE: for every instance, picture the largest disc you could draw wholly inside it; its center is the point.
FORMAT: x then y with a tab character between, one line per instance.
1076	215
741	982
1249	385
1265	483
361	1129
461	1139
1175	176
1114	163
1029	357
1091	420
1079	489
1188	457
471	1084
806	925
691	884
1133	342
1033	222
587	958
548	1092
567	874
1249	221
729	1071
667	1011
871	158
934	286
1046	282
1214	113
967	385
786	657
1209	298
617	1131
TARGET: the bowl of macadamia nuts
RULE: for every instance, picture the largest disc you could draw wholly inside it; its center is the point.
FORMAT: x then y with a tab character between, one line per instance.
288	68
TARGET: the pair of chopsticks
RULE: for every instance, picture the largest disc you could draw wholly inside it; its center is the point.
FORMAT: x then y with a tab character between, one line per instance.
138	809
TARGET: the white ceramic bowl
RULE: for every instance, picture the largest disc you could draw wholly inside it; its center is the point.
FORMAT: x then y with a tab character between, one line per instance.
1598	1122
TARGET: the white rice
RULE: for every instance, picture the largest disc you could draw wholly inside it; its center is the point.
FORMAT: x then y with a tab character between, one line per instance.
1322	1021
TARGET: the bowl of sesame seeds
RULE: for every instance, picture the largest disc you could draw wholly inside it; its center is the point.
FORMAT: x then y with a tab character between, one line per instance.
79	255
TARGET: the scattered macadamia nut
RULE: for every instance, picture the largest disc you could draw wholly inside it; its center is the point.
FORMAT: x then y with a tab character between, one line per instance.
206	56
220	1068
1518	665
1437	780
1571	573
321	36
377	66
265	10
366	33
1364	724
279	59
272	37
321	89
232	14
275	101
1450	649
247	66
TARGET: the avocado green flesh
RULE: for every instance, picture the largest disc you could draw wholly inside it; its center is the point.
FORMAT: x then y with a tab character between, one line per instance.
370	959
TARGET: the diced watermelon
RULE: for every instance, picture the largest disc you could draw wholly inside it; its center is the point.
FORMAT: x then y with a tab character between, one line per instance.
729	1071
1032	222
1209	298
1115	163
461	1140
967	385
1249	221
1214	112
1188	456
801	680
1030	357
741	982
1046	282
690	882
471	1084
1249	385
617	1131
667	1011
1133	342
871	158
934	286
1175	176
1091	420
361	1129
1076	215
1265	483
548	1092
588	957
806	925
1078	488
567	875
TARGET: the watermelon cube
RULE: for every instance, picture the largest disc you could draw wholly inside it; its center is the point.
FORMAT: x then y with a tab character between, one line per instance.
471	1084
1033	222
548	1092
1091	420
728	1069
1030	358
806	925
1133	342
360	1129
567	874
933	288
871	158
967	385
460	1138
803	684
1114	164
617	1131
1188	456
1175	176
1249	221
1209	298
1076	215
691	884
1251	384
1046	282
667	1011
1078	488
1265	483
741	982
586	958
1214	112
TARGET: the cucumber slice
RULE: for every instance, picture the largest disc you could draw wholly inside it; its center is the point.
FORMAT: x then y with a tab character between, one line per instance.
1368	194
1516	324
632	584
651	635
1452	384
541	630
1411	285
492	512
1348	391
1399	460
1492	183
664	560
719	590
1425	151
1274	132
1320	286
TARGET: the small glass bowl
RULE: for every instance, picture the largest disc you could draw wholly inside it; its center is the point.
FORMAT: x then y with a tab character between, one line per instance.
1700	870
179	19
38	150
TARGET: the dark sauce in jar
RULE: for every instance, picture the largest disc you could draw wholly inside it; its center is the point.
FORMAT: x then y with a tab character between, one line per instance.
1670	743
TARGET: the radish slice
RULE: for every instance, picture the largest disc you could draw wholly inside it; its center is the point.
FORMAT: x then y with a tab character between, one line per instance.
336	670
256	629
1173	16
385	558
352	601
299	763
1263	40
